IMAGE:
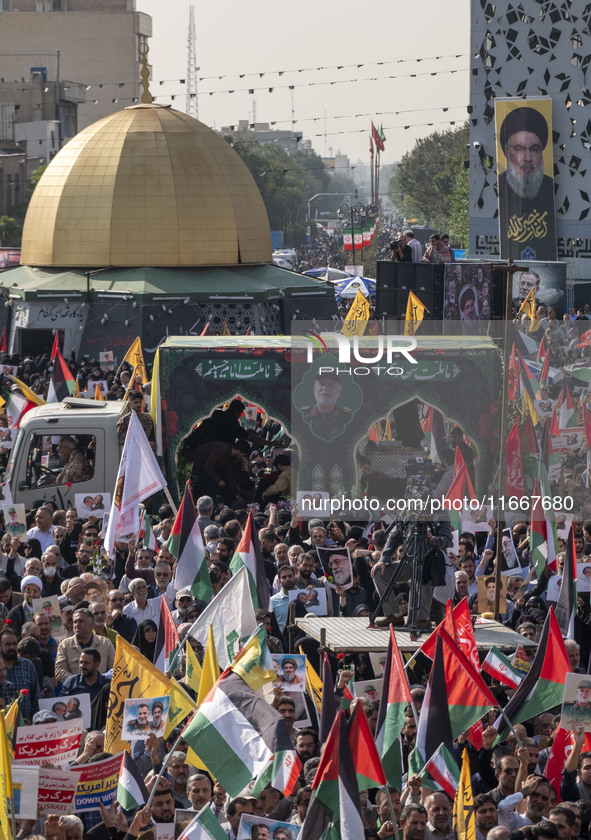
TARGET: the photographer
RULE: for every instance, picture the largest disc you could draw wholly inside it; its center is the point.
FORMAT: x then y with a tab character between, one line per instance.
400	251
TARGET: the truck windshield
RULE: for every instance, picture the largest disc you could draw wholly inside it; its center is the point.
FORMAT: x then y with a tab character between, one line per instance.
60	459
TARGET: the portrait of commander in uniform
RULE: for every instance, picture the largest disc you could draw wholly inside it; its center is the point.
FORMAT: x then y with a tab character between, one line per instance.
326	419
579	712
523	187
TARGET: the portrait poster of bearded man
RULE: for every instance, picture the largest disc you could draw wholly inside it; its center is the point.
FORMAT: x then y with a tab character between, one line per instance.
527	220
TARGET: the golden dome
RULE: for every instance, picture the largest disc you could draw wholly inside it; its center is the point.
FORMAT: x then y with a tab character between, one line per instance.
147	186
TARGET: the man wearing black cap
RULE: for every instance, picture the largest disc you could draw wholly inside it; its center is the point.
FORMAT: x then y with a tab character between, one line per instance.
326	419
526	195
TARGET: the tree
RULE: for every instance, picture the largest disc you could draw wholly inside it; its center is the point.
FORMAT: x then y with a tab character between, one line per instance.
427	177
286	182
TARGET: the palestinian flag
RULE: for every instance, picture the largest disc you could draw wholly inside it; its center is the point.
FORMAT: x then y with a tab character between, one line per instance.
335	790
434	722
254	663
186	544
237	734
499	667
461	488
366	759
468	697
543	686
539	533
62	383
248	554
328	710
131	790
566	605
443	768
567	417
395	698
204	826
167	638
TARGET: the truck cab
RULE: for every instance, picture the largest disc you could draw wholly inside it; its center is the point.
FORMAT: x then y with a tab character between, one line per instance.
35	465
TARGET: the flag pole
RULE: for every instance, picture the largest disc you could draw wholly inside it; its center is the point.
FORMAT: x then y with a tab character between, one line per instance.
165	764
170	501
509	724
392	815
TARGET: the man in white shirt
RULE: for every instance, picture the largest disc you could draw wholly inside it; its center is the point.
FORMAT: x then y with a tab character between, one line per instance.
536	792
43	529
142	607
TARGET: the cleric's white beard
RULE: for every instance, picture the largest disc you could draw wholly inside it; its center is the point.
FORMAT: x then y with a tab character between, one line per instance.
526	186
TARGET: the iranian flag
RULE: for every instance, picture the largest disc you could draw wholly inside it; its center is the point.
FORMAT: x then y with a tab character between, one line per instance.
543	686
186	544
146	534
347	239
335	795
498	666
443	768
366	235
358	240
395	698
237	734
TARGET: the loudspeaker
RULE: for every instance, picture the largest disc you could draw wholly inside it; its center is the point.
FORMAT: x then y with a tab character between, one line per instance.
394	281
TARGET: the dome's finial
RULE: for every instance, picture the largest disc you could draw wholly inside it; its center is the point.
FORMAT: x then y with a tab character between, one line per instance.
143	50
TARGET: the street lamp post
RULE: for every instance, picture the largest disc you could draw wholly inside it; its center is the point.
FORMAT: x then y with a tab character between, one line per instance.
356	213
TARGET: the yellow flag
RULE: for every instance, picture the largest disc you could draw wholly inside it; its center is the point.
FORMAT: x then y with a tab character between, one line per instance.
26	391
12	718
225	330
529	307
211	669
5	782
414	314
464	817
192	669
388	430
210	673
134	676
135	357
528	407
156	403
253	663
76	388
357	316
313	685
98	394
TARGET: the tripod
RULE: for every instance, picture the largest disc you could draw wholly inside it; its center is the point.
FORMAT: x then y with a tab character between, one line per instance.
414	539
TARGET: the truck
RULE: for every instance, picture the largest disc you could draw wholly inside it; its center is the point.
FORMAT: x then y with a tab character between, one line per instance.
270	373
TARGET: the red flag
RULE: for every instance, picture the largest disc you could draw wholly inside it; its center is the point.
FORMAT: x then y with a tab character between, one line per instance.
463	633
3	345
376	138
56	346
514	474
475	735
366	759
559	751
587	423
513	376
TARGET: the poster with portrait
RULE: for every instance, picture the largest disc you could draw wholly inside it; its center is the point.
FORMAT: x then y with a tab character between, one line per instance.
510	560
584	577
50	605
337	566
553	590
378	663
182	820
144	717
15	520
107	362
548	280
7	437
290	670
467	298
368	689
576	702
525	178
92	504
486	587
69	708
253	827
314	600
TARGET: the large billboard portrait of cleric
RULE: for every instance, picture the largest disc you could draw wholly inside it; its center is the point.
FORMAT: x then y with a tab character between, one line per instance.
527	222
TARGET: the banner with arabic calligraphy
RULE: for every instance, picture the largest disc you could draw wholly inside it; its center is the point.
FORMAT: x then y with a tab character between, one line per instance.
56	743
525	173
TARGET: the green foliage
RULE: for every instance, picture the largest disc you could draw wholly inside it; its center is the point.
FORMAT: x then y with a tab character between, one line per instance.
10	232
428	176
459	221
286	182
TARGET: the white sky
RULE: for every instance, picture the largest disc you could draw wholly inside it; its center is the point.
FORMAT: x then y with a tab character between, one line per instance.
236	37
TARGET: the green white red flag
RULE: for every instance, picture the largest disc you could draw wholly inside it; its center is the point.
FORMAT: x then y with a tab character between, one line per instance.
444	769
499	667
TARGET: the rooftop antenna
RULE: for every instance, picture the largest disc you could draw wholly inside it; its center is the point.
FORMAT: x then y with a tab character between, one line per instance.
191	103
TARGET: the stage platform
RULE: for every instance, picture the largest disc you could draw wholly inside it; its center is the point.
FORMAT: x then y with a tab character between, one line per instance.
351	635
